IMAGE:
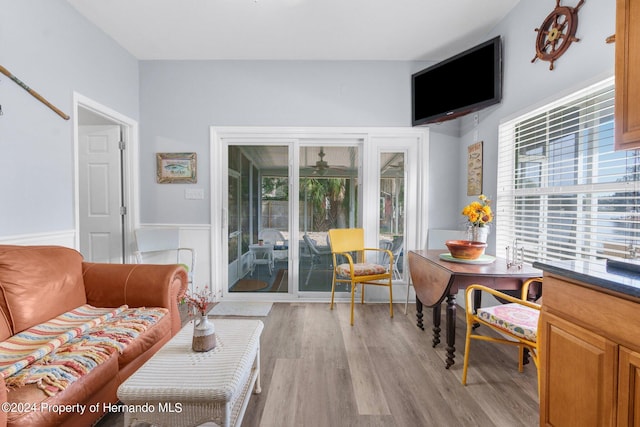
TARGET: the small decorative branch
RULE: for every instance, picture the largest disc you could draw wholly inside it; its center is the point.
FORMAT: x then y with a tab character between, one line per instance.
32	92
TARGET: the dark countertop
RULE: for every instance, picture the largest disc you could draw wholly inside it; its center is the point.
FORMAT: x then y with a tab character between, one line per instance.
617	276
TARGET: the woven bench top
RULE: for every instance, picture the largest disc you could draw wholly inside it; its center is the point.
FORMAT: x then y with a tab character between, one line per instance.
177	373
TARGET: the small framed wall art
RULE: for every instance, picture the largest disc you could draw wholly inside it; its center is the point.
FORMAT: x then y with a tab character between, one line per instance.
474	169
175	168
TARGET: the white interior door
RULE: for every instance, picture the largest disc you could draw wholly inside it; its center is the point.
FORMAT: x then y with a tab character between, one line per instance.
100	186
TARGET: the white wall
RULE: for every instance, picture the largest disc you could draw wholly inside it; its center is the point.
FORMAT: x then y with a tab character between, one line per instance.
444	179
56	51
51	48
527	85
180	100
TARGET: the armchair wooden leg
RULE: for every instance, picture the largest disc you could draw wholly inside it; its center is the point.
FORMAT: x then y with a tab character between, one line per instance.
520	358
538	370
333	290
353	294
467	349
390	298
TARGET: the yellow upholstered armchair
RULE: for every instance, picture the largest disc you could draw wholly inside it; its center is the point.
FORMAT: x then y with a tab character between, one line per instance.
517	320
348	243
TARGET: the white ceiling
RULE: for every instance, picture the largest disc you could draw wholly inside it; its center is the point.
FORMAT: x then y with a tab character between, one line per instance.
295	29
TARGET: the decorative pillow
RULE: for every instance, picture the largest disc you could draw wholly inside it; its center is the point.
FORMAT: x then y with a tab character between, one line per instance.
361	269
515	318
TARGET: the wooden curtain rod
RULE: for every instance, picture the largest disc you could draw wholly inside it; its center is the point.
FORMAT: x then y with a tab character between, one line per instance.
32	92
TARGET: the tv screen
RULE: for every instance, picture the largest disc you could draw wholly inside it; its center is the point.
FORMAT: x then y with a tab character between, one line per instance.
467	82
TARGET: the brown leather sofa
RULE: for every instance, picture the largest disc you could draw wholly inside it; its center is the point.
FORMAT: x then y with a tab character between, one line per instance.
38	283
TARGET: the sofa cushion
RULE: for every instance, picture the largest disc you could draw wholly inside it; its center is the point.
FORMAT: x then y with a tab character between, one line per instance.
79	356
147	339
39	283
38	341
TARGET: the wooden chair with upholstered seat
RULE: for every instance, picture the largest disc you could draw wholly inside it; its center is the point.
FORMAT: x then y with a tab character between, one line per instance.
516	320
349	243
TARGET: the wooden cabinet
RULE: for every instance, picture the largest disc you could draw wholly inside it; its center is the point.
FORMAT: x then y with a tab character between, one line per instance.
570	396
590	356
629	388
627	104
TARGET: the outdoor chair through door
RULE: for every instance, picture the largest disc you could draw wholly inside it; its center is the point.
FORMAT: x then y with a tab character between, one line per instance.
349	243
316	255
395	246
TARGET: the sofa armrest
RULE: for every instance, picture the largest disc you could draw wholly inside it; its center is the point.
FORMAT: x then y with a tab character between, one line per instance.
137	285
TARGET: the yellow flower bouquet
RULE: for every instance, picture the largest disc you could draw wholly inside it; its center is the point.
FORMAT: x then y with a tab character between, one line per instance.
479	212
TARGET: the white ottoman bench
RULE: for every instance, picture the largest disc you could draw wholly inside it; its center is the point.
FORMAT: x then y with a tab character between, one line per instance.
181	387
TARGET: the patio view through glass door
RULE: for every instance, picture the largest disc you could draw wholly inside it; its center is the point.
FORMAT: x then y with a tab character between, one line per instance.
328	199
259	237
392	209
283	191
258	219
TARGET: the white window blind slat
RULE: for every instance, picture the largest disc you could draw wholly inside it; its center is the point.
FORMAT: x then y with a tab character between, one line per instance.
563	192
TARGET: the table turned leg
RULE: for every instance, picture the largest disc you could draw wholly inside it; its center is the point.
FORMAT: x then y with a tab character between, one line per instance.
419	314
436	325
451	329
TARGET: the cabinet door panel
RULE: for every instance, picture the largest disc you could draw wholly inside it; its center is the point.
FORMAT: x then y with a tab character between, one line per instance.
627	107
579	385
629	388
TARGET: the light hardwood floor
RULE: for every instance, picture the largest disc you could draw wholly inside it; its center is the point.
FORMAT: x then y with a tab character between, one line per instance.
319	371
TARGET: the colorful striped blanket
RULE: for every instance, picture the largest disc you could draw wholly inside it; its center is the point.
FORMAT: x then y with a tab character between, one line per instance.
73	353
34	343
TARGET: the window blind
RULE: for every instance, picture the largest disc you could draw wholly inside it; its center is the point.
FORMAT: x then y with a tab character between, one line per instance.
563	192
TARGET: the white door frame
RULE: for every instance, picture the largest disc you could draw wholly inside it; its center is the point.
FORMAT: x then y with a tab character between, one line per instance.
417	221
130	172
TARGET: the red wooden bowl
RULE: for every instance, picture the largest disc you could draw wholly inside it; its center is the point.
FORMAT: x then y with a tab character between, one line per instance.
465	249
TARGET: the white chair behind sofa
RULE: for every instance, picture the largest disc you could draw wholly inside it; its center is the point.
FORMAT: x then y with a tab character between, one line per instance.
162	245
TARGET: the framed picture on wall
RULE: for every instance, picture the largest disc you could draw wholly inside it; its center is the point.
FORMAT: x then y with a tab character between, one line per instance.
173	168
474	169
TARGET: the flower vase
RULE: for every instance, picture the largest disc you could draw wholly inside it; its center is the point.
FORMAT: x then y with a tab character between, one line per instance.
204	333
478	234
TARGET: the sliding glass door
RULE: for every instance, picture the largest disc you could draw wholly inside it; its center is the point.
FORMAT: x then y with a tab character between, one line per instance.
258	225
328	199
283	189
392	208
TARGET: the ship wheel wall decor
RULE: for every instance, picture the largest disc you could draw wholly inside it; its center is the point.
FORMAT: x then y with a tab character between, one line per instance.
557	32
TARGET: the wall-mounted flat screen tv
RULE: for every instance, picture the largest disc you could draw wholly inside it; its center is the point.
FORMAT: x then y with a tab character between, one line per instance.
464	83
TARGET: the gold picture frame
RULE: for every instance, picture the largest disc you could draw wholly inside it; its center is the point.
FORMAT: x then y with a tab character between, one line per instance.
176	168
474	169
